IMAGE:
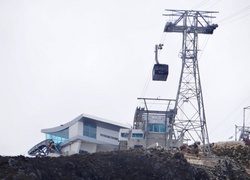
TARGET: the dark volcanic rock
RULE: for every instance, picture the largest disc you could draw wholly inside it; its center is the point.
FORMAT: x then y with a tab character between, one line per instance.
12	162
228	169
117	165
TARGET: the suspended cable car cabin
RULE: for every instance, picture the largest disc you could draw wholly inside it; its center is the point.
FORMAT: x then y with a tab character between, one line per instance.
160	72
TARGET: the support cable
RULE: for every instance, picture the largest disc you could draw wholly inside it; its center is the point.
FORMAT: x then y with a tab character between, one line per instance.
201	4
236	19
234	14
227	130
204	46
150	73
213	4
226	118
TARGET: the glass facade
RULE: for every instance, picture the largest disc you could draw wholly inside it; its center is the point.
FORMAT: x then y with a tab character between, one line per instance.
59	136
137	135
156	127
89	130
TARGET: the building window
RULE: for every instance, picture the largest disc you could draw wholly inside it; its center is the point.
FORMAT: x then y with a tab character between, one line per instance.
137	135
124	135
82	151
138	146
110	137
59	136
156	127
89	130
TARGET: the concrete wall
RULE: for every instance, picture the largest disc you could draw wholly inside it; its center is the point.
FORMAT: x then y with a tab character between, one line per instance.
134	141
100	130
156	137
65	150
150	139
103	148
72	148
91	148
123	145
76	129
75	147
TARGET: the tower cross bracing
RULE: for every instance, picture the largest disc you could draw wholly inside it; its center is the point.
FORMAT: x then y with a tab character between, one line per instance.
190	120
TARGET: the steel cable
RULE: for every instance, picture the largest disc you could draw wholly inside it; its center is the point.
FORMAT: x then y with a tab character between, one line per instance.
234	14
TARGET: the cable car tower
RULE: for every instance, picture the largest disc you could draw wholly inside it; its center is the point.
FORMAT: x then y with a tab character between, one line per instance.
189	121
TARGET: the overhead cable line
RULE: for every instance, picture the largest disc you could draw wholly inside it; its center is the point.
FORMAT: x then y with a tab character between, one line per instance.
204	46
149	75
146	85
200	4
227	130
207	38
236	19
226	118
213	4
248	118
234	14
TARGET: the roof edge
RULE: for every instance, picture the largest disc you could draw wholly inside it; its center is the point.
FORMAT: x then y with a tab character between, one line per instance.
64	126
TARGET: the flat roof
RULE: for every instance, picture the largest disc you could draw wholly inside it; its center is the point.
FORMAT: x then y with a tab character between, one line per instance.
88	118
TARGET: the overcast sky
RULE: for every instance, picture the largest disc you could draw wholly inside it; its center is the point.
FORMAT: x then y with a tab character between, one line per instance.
61	58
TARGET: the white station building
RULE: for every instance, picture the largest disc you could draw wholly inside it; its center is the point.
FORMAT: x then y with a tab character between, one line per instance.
86	134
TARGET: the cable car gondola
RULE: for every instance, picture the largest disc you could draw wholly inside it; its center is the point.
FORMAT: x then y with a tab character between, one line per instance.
160	72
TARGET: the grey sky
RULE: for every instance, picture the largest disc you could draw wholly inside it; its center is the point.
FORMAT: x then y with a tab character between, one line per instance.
61	58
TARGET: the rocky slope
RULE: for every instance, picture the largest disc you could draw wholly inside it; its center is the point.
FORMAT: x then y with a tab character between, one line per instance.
156	163
237	151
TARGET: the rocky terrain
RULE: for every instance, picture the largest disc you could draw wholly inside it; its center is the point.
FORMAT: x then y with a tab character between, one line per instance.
237	151
154	163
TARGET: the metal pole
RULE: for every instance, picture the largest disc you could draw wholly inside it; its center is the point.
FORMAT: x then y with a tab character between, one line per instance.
244	119
235	132
156	54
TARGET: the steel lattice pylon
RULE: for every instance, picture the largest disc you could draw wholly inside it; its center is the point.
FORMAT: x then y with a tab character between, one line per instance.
190	120
244	130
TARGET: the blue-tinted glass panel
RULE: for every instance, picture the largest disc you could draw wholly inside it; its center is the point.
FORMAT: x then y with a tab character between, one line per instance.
138	146
150	127
162	128
156	127
89	130
125	135
137	135
59	136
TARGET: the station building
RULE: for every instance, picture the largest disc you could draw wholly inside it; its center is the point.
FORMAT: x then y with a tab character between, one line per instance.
152	127
86	133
